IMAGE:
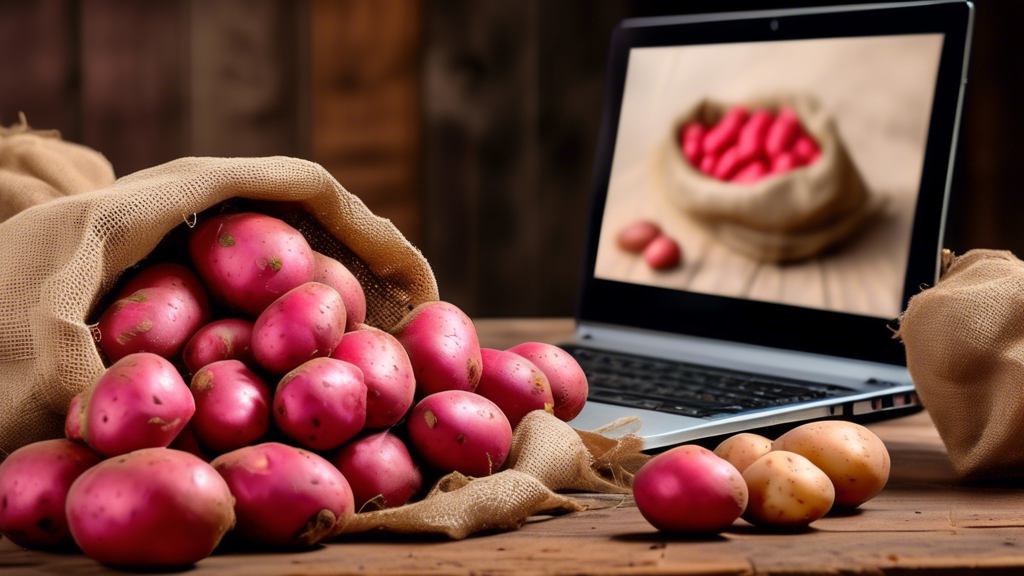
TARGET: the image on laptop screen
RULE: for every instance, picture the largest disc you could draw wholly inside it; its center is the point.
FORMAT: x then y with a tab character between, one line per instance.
786	172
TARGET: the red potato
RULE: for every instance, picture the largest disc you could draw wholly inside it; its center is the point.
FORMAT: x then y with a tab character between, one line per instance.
784	162
307	322
725	133
139	402
635	237
158	320
750	143
568	381
782	132
443	348
728	164
707	164
691	138
248	260
34	484
663	253
751	172
514	384
380	471
285	496
805	150
689	489
460	431
232	406
321	404
327	270
73	420
229	339
387	373
167	276
150	508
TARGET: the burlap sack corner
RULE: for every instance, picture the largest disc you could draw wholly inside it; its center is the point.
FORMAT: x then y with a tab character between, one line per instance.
62	256
964	339
779	218
36	166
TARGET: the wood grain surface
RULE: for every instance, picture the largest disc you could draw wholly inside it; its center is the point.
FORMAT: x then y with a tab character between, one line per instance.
881	106
924	522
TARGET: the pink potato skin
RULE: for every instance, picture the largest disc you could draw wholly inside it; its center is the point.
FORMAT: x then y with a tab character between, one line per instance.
307	322
186	442
34	484
153	507
248	260
327	270
387	373
568	381
321	404
232	406
514	384
229	339
158	320
379	467
460	431
443	348
285	496
139	402
73	421
167	276
689	489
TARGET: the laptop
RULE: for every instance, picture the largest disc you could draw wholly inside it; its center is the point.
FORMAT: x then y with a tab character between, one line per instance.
764	324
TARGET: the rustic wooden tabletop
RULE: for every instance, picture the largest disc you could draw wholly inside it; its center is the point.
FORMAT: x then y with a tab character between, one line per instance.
924	522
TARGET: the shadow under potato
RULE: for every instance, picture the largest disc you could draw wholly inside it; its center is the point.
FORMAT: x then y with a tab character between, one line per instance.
662	538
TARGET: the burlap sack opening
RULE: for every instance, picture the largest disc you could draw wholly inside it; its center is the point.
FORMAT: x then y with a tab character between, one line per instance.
965	351
36	166
63	256
782	217
547	455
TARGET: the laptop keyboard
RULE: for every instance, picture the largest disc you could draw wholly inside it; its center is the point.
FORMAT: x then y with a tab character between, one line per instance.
688	389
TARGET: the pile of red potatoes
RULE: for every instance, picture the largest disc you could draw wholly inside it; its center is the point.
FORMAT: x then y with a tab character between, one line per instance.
293	413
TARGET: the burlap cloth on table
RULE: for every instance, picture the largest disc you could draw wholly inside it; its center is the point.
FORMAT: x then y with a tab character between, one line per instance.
965	350
779	218
547	455
63	256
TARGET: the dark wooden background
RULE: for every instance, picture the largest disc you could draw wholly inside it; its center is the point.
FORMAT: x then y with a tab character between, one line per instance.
472	124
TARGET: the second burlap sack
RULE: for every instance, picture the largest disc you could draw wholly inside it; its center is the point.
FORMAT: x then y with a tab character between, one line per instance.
782	217
965	351
62	257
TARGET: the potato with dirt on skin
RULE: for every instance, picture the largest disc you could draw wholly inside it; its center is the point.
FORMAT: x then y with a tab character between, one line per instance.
387	373
568	382
458	431
305	323
786	490
380	471
227	339
853	457
742	450
515	384
321	404
327	270
443	348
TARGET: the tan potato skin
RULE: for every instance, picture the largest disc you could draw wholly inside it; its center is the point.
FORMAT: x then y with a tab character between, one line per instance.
851	455
742	450
786	490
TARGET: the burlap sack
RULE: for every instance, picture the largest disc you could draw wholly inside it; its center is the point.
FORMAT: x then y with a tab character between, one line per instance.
779	218
62	257
36	166
965	351
547	455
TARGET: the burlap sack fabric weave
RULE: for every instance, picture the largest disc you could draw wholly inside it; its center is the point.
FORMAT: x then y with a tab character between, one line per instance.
779	218
965	351
63	256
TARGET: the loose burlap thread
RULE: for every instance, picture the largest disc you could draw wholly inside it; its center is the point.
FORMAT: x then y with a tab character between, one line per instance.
781	217
547	455
36	166
964	339
61	257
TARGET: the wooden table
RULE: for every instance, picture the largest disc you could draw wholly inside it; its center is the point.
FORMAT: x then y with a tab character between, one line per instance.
924	522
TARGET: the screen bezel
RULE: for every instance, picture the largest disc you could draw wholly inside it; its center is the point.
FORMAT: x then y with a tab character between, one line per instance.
771	324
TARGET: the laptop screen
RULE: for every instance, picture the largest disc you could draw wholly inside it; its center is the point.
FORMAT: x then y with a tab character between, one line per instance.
783	172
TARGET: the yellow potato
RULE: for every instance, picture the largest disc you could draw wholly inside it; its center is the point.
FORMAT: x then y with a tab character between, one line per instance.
854	459
785	489
742	450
